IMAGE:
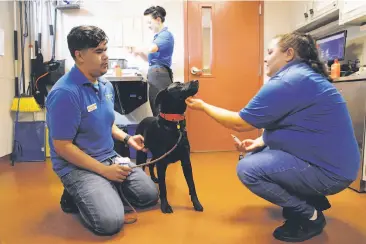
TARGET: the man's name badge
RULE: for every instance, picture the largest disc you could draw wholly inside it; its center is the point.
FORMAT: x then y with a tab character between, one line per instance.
92	107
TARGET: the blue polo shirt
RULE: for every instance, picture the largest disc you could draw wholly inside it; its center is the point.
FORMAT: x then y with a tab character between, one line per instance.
83	113
305	115
165	42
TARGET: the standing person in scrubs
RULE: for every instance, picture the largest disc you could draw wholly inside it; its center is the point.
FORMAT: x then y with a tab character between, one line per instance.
158	54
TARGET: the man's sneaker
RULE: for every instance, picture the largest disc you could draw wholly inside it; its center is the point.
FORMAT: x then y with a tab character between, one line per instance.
67	203
299	229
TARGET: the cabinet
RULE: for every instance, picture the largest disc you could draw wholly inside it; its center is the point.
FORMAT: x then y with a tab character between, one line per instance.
300	14
311	14
352	12
319	8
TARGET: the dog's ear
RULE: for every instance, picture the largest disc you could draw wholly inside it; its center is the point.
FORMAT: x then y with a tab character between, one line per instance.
160	96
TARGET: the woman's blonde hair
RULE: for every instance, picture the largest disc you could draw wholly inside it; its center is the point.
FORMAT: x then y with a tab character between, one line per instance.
305	49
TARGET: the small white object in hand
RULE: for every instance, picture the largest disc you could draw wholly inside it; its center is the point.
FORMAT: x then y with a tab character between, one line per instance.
122	160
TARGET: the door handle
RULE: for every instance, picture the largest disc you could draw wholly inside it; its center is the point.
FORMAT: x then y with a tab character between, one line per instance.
196	71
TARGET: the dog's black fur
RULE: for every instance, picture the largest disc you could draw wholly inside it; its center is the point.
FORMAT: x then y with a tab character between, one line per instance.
161	135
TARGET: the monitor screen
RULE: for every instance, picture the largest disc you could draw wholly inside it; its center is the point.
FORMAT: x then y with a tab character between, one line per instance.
332	47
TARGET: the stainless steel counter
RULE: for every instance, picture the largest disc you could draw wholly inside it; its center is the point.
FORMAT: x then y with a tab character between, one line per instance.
124	78
354	77
353	90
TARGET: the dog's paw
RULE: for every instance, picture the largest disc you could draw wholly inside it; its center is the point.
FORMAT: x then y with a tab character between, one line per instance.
166	208
154	179
196	204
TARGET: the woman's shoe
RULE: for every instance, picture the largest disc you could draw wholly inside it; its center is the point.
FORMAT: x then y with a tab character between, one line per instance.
297	229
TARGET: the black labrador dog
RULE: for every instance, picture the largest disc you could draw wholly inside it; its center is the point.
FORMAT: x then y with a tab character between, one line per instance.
162	133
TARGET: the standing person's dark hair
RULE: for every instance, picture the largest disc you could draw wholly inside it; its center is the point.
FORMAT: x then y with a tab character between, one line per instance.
158	54
156	12
305	48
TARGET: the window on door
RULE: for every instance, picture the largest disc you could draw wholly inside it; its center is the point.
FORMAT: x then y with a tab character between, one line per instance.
207	56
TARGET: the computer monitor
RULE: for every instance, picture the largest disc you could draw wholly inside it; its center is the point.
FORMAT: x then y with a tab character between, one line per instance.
332	47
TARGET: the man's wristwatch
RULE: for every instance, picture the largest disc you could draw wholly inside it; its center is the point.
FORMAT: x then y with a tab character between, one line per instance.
125	140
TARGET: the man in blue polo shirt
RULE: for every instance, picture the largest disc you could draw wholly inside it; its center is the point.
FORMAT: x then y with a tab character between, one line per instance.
80	118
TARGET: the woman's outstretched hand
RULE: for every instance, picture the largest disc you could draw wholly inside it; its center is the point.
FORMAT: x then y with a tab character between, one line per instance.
195	103
249	145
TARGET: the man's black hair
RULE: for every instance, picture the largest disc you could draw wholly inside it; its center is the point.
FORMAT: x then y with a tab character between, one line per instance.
84	37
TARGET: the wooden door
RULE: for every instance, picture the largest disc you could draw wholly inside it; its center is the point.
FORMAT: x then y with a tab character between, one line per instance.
224	40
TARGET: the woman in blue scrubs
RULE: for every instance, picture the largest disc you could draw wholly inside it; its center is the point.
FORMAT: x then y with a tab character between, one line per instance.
158	54
308	148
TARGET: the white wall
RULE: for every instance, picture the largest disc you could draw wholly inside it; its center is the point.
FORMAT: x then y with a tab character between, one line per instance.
276	21
112	16
6	78
109	16
123	23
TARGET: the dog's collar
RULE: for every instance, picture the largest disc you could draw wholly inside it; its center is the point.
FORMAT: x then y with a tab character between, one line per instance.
172	117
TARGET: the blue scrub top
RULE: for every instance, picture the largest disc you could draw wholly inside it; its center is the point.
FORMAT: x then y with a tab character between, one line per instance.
82	113
165	42
305	115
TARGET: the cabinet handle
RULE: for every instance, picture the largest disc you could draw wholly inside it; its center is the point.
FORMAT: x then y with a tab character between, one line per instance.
306	15
311	11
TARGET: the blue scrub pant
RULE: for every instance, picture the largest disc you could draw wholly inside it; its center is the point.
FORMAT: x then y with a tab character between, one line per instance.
158	78
287	181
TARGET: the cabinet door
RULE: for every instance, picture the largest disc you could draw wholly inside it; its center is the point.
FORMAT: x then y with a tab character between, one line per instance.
319	8
132	31
351	5
300	14
352	12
